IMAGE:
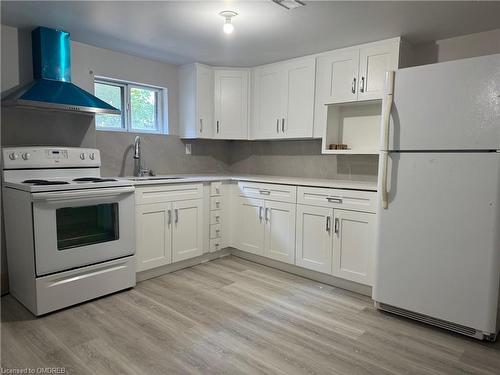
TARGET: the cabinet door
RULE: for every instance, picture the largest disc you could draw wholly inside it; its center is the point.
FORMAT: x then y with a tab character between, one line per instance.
205	101
231	104
298	119
153	236
337	77
280	231
269	92
353	245
187	229
250	225
374	62
314	238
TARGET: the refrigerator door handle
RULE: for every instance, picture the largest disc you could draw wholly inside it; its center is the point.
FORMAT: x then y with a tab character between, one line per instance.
387	108
384	194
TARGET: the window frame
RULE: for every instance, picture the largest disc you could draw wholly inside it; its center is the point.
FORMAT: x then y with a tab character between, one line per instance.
161	112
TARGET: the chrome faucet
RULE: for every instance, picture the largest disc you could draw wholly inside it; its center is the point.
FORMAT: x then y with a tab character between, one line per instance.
139	171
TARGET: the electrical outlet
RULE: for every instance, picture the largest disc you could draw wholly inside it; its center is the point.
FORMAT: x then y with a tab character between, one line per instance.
188	148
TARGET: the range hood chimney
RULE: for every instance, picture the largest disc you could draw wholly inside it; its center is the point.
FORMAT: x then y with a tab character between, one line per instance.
52	88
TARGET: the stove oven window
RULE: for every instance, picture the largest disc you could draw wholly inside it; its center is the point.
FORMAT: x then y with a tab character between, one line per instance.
87	225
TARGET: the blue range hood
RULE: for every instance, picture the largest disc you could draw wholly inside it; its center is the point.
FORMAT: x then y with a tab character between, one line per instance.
52	88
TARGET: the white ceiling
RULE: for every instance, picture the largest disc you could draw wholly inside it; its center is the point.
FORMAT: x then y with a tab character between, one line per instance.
187	31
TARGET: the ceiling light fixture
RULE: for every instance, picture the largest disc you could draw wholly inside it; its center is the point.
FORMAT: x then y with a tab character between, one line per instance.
289	4
228	27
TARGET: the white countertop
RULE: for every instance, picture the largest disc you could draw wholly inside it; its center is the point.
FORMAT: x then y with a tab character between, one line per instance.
316	182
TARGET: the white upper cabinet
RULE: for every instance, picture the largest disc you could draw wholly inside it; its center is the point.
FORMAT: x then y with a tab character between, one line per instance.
283	100
196	101
231	103
288	98
337	75
299	111
352	74
268	101
374	62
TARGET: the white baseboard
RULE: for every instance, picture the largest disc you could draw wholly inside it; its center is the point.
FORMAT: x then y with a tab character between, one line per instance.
155	272
309	274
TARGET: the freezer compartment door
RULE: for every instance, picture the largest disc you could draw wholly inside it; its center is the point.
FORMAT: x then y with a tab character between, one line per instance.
447	106
438	241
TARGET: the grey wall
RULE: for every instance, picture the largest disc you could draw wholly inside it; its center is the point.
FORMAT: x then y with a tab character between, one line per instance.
478	44
298	159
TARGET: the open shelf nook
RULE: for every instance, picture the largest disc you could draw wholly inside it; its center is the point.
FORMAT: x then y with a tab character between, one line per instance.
355	125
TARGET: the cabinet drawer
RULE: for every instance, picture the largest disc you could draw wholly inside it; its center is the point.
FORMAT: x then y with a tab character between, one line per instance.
215	217
275	192
216	188
167	193
215	244
215	231
338	198
216	203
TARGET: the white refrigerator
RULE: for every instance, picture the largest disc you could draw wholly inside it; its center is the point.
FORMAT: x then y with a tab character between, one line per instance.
438	233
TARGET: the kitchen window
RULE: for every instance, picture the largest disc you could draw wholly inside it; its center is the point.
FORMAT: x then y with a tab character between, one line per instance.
142	107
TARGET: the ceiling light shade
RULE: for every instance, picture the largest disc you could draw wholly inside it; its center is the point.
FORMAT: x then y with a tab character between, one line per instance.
228	27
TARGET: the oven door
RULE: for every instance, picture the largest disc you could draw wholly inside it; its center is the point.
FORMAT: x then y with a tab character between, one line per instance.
77	228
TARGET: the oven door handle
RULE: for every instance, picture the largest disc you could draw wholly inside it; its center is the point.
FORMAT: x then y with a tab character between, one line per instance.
57	196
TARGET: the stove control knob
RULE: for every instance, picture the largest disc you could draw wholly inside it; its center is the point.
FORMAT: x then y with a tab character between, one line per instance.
13	156
26	156
92	156
82	156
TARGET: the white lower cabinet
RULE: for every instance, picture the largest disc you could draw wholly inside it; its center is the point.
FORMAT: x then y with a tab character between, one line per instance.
154	235
339	242
266	228
279	237
353	245
168	232
249	225
314	238
187	229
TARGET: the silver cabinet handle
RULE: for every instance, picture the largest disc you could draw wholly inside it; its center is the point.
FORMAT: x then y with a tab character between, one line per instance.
277	125
201	125
353	86
328	224
268	217
169	213
264	192
260	213
337	224
283	124
218	126
334	200
176	211
217	218
362	88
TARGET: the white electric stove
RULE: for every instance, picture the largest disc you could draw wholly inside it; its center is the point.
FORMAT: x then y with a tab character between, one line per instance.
70	233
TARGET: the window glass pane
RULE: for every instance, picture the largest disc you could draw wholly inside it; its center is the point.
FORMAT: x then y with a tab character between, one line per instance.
112	95
86	225
143	104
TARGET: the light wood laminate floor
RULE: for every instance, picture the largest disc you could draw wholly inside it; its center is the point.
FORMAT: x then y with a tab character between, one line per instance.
232	316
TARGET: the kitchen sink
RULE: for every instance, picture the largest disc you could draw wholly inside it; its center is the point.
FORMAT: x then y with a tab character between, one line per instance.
149	178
